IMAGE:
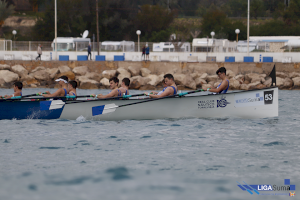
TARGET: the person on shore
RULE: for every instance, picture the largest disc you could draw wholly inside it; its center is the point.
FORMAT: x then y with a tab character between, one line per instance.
89	52
147	53
39	51
223	86
62	91
143	52
72	85
169	90
17	90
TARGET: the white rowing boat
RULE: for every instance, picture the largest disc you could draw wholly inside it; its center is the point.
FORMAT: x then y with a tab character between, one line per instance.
245	104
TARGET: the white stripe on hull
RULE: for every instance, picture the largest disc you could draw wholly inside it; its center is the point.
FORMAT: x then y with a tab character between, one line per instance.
247	104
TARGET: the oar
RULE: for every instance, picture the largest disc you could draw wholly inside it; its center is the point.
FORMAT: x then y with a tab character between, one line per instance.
251	188
25	96
108	108
245	188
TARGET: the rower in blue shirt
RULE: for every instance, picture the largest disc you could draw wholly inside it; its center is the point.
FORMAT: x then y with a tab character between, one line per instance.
223	86
116	92
169	90
17	90
61	92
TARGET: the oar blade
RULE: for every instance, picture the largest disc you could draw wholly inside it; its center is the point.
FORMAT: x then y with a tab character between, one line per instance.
104	109
51	105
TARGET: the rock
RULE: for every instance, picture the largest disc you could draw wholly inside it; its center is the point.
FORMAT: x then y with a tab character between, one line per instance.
89	84
33	85
109	74
52	72
180	79
213	78
186	80
4	67
204	76
234	84
206	86
230	74
296	81
64	69
8	76
252	86
20	70
260	86
123	72
105	82
244	87
147	87
195	75
199	82
38	69
211	83
252	78
268	82
135	71
288	83
154	79
135	84
141	80
282	75
279	81
246	82
41	75
145	72
240	78
69	74
81	71
94	76
291	75
29	79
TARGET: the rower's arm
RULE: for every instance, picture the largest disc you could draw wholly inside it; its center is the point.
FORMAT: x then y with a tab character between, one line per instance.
167	92
222	87
113	93
55	94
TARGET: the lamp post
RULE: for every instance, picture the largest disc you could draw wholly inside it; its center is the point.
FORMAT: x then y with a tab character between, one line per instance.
212	35
138	32
237	31
55	5
14	32
248	27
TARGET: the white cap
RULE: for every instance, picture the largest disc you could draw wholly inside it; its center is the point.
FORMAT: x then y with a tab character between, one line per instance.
60	79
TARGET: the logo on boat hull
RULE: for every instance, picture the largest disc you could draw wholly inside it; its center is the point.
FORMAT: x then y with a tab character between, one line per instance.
222	102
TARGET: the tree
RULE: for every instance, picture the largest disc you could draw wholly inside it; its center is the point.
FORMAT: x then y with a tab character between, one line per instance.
292	14
257	8
217	21
5	11
154	19
238	8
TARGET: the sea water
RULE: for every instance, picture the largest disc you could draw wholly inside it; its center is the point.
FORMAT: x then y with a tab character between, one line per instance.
149	159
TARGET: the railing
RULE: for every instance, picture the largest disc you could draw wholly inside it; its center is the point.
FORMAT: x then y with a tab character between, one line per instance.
218	46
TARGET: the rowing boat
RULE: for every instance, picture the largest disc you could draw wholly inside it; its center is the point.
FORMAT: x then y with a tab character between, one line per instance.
260	103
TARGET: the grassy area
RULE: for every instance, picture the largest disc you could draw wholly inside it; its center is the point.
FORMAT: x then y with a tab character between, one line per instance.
25	14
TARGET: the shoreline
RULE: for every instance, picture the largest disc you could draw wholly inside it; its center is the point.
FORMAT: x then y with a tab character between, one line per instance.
147	75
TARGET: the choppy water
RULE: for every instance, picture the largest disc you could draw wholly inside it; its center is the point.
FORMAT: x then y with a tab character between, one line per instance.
151	159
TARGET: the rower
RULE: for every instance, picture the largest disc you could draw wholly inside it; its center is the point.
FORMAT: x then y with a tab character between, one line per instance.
17	90
224	85
61	92
158	93
116	92
72	85
169	90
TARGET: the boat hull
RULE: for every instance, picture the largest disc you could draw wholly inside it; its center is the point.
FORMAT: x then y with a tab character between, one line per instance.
246	104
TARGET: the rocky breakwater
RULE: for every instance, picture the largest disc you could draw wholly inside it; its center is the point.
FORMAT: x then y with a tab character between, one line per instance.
142	78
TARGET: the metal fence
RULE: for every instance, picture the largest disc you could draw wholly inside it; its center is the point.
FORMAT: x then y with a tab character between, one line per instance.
126	46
